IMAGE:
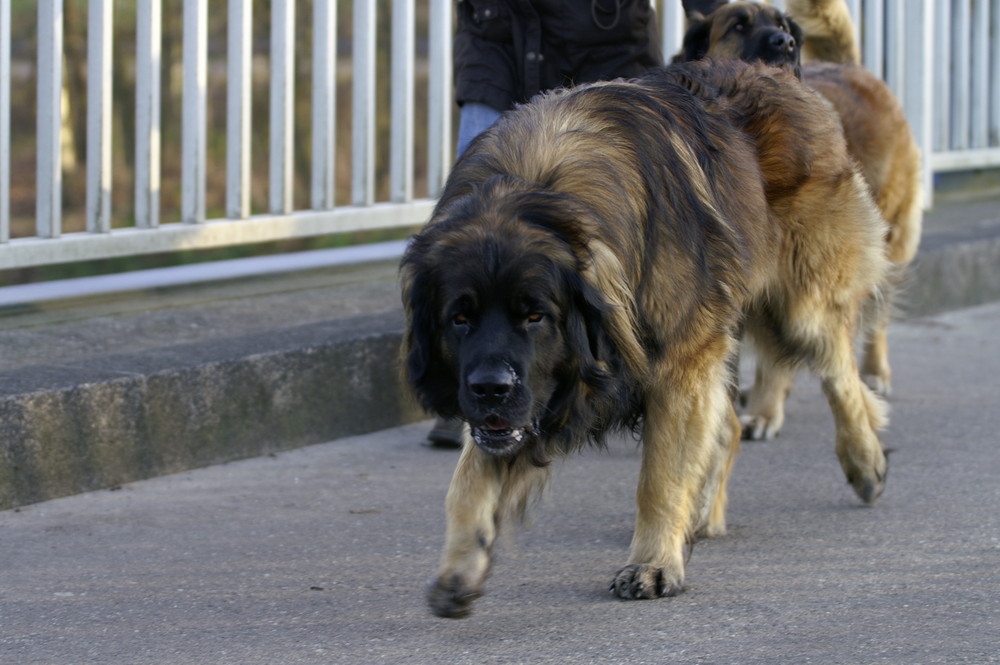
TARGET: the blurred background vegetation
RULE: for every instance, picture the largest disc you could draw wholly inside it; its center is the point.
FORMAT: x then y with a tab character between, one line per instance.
24	19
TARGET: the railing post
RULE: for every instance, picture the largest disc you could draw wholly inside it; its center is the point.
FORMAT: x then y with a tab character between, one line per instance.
960	75
193	141
282	104
238	85
4	121
363	138
48	187
148	47
994	120
401	134
672	24
872	46
324	104
99	36
979	97
942	75
896	35
918	99
440	97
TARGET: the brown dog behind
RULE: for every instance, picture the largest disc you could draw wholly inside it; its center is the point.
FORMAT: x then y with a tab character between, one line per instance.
877	135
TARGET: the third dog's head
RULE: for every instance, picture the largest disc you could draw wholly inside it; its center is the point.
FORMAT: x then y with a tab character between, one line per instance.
746	31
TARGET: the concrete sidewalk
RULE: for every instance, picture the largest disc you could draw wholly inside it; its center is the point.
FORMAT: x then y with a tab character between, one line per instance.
319	555
137	380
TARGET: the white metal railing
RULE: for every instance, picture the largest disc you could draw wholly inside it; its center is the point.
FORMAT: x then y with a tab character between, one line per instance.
942	57
146	233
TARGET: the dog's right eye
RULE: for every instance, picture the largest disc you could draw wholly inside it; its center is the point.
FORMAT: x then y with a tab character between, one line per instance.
460	320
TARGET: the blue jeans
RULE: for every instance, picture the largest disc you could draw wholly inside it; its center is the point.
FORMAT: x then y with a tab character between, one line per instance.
474	119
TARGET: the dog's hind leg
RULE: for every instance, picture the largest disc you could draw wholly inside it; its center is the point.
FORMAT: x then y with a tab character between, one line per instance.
875	368
688	410
764	413
823	335
858	414
484	489
713	519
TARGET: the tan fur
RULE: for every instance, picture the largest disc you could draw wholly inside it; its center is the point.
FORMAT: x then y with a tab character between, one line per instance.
829	31
878	137
784	227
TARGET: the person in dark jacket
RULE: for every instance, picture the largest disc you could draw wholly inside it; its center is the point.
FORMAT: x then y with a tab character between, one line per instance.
508	51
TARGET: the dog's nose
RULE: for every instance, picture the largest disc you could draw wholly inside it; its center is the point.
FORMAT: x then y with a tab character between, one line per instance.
491	383
782	42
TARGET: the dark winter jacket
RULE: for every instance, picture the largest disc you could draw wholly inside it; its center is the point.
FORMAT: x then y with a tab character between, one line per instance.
507	51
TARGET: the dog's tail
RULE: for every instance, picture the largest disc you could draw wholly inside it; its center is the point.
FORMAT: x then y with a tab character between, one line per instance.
830	35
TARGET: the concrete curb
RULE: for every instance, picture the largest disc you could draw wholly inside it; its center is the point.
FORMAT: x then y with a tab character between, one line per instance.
103	434
73	425
953	276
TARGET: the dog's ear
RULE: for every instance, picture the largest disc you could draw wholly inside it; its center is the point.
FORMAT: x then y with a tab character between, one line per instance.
428	373
587	334
696	40
703	7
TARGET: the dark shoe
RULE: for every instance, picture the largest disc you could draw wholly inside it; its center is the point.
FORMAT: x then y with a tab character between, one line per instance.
447	433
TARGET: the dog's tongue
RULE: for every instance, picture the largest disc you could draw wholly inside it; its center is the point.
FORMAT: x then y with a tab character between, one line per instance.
496	423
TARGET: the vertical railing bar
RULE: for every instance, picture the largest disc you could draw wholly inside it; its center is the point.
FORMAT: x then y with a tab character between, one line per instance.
872	47
918	100
895	34
4	121
282	104
672	23
994	57
193	128
148	48
324	100
854	7
942	76
960	74
239	63
401	139
363	139
439	94
979	94
99	36
48	183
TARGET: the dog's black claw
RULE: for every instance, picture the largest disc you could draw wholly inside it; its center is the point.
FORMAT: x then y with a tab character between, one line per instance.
449	599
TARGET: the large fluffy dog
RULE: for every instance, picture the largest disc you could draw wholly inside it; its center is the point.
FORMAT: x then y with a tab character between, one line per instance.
588	266
877	134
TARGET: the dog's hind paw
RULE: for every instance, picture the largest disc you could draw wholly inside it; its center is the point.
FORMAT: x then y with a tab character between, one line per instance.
645	581
450	598
760	428
878	384
869	483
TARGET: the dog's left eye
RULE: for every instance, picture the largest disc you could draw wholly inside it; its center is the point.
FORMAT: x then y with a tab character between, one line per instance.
535	317
460	320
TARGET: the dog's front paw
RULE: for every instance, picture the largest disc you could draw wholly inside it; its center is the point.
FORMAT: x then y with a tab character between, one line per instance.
644	580
450	597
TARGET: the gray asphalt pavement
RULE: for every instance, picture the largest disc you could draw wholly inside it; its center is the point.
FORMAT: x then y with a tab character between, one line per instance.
320	555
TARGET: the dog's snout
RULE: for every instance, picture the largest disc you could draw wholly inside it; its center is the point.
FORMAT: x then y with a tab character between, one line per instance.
493	383
782	42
